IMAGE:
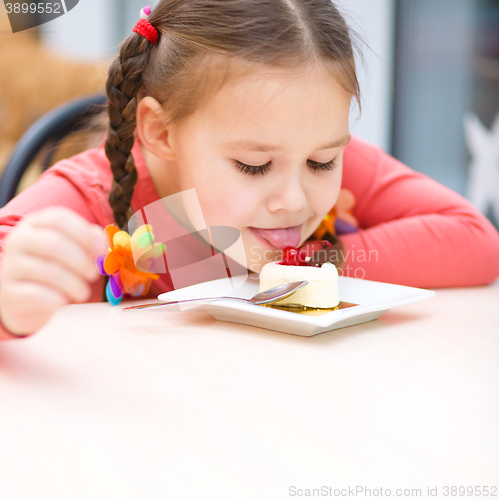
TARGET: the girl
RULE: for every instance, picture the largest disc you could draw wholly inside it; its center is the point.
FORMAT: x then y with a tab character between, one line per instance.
247	102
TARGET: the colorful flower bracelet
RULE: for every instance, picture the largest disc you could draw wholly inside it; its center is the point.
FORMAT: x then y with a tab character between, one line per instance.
119	263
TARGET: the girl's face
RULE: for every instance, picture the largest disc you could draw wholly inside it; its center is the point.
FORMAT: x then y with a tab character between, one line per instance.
265	156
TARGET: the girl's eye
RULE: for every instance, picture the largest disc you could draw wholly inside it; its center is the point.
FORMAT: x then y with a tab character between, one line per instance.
262	169
323	166
251	169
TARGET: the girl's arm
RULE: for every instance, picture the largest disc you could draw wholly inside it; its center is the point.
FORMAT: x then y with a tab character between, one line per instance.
413	230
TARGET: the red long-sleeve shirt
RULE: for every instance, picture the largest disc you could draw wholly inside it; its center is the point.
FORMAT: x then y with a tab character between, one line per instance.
412	230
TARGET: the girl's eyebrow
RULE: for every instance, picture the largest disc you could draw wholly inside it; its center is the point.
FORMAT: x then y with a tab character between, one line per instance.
257	146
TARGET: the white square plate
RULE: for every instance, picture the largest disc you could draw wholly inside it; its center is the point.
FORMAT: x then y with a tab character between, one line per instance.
373	298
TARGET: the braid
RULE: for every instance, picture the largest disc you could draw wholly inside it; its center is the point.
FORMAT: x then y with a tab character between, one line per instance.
123	83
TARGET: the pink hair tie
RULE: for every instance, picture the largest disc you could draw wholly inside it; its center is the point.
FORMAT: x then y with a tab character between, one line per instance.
145	28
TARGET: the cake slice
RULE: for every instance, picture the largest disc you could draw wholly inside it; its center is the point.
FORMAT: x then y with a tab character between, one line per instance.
321	291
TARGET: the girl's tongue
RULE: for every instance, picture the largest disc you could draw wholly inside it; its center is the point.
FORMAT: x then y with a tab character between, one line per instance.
281	238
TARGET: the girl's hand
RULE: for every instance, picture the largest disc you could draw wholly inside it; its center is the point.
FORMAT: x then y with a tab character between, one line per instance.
49	261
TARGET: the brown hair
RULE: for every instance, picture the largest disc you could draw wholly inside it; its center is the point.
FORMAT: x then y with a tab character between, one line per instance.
201	44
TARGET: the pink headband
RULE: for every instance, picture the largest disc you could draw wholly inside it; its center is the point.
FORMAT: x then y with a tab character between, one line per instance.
145	28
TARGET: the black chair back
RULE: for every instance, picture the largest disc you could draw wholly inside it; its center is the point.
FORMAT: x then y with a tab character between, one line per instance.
47	132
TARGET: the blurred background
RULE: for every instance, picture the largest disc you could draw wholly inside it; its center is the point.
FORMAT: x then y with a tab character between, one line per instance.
429	80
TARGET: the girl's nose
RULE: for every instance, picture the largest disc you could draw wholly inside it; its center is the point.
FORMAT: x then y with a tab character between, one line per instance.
288	195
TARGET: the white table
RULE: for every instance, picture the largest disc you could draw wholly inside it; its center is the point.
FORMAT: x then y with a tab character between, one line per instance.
102	404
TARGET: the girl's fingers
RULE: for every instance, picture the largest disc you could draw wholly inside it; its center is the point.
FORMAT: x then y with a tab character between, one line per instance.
49	260
89	236
51	274
51	245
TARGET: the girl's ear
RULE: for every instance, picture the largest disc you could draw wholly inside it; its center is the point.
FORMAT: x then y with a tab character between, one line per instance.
151	130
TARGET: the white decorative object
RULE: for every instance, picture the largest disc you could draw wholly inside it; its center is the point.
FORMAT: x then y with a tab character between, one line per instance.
483	180
145	12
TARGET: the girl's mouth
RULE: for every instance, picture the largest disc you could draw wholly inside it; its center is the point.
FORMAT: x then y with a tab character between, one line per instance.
279	237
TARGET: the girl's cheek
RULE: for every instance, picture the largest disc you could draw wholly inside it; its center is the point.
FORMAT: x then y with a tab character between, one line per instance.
327	192
231	206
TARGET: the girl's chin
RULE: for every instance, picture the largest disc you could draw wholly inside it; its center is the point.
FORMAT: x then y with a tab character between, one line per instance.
257	267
